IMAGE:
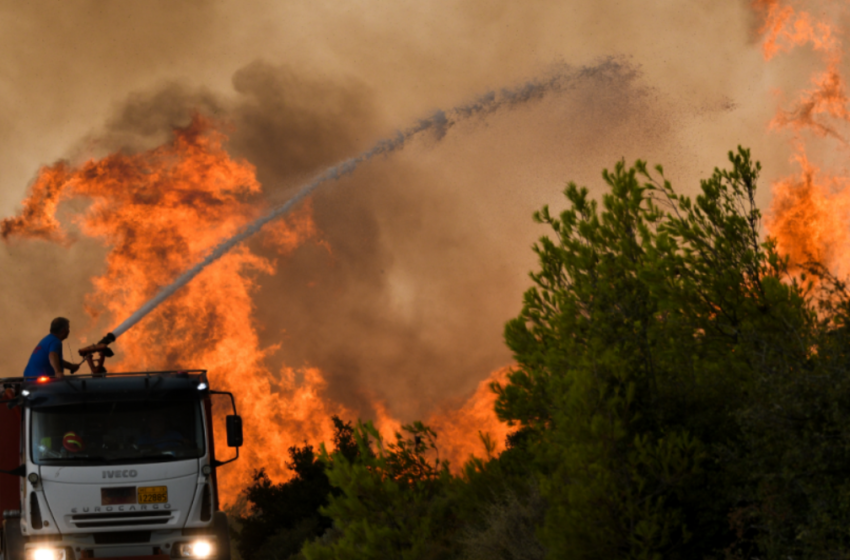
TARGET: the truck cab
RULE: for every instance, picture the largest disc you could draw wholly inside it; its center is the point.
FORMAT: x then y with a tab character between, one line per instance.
118	466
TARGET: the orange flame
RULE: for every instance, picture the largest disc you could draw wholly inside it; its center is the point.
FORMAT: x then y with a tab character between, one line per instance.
38	218
783	29
809	217
385	423
808	214
159	212
460	432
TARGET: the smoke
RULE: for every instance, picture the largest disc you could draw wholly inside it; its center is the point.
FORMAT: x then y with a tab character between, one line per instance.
438	124
420	257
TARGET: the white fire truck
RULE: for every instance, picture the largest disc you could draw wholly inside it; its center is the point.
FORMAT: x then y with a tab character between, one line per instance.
118	466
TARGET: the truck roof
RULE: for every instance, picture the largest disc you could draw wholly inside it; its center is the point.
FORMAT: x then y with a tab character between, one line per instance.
131	386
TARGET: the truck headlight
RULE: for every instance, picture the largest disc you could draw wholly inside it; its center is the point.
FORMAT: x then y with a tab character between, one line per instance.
196	549
46	553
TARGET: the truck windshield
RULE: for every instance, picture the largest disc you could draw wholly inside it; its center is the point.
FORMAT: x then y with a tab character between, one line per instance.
117	432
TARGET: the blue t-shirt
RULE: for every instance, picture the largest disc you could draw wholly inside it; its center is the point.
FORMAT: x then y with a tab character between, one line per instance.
39	363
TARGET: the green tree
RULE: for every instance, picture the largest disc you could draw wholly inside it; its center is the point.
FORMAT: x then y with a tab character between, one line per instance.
398	500
645	334
389	503
791	463
283	516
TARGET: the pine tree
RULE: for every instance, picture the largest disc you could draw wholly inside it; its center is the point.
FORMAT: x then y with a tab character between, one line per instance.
648	326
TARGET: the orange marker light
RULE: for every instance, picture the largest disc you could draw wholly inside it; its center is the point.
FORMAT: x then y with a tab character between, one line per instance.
42	379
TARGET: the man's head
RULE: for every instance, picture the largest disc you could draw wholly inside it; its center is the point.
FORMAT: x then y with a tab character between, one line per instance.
60	327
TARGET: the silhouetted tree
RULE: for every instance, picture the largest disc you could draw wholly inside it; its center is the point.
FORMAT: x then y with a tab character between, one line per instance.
283	516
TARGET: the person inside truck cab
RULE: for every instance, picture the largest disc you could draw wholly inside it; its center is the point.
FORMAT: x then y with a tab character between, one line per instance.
46	359
159	434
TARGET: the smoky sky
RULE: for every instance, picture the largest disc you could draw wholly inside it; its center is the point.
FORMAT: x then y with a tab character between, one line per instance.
402	296
422	255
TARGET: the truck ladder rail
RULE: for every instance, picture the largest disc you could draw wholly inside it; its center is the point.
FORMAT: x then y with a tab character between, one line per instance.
71	377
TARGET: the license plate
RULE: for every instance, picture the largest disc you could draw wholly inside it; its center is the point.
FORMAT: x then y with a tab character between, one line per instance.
153	494
119	495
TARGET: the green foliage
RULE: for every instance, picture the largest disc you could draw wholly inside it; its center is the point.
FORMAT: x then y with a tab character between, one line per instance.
507	527
283	516
793	494
388	506
644	338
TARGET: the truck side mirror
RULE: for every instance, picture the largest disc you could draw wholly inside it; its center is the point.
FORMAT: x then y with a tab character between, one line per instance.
234	430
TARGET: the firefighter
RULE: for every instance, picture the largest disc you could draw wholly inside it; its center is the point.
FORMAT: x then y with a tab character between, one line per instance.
46	359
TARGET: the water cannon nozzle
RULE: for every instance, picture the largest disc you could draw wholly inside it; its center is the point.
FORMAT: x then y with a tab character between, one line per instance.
102	347
108	339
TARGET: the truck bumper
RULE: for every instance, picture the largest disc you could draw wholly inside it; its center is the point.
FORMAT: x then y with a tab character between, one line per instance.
152	557
161	547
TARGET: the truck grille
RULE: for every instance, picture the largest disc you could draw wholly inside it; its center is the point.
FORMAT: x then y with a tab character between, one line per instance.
124	519
122	537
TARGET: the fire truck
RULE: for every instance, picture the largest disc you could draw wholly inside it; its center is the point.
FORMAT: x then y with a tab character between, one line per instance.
113	466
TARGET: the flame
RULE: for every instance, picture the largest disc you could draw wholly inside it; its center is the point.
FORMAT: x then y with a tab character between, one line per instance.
460	432
809	216
386	424
159	212
38	218
809	211
784	28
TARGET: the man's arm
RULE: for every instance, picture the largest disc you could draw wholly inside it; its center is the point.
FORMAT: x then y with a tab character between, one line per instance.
57	364
70	367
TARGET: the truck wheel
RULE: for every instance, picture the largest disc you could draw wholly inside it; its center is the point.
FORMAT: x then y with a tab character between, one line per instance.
13	540
222	534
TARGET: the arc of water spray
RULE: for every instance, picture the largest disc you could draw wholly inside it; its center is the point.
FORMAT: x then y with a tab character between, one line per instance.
610	70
